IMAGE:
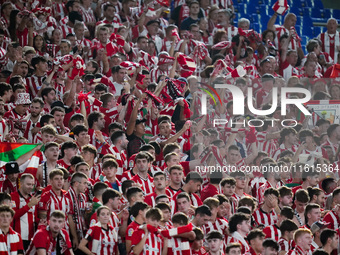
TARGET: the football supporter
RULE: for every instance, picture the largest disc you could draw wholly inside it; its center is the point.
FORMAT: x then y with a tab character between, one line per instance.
11	241
143	163
146	237
273	231
266	215
301	200
137	211
78	200
197	245
303	239
329	240
255	239
108	175
287	228
51	153
239	227
24	204
54	200
192	184
159	183
215	242
270	247
101	238
53	238
312	214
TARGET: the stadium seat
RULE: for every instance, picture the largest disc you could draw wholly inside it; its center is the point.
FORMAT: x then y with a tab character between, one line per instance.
336	13
310	3
318	4
256	27
316	13
298	29
299	20
326	13
297	11
307	31
307	11
304	40
262	9
256	18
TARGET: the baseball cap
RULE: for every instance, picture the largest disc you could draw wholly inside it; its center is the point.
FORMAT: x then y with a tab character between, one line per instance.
318	225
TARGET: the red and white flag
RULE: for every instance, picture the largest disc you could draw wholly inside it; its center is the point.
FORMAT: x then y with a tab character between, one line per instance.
222	45
281	7
187	64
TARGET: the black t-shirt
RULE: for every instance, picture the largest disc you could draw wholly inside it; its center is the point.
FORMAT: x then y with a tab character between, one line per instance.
134	144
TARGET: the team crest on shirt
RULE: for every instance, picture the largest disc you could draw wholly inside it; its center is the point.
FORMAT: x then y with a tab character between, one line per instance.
130	232
41	204
89	232
12	204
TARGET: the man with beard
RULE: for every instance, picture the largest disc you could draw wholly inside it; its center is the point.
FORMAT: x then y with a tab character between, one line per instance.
49	96
24	205
33	119
53	238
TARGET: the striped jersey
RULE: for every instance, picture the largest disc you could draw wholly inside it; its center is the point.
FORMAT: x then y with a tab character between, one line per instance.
10	243
102	241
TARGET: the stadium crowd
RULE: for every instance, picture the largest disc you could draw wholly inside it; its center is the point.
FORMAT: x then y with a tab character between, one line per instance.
106	148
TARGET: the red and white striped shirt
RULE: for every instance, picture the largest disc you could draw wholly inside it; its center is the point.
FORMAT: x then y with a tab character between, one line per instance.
34	84
156	72
88	15
29	126
101	241
170	191
299	251
287	70
65	30
153	243
10	243
265	145
146	184
273	232
281	30
24	217
95	171
236	237
223	4
263	218
43	239
334	146
284	245
333	219
221	225
58	10
78	205
178	246
281	149
120	158
330	44
51	202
